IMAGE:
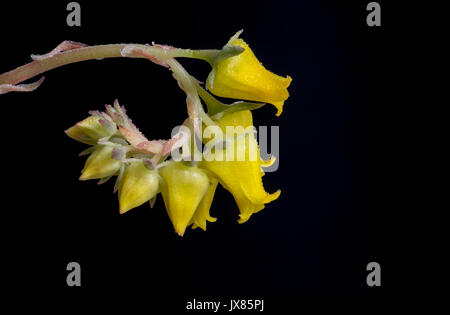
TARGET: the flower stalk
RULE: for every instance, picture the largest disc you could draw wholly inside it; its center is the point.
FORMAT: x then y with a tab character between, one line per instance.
37	67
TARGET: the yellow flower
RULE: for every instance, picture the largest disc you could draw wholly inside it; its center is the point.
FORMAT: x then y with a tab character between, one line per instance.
183	188
137	185
91	129
100	164
244	77
243	178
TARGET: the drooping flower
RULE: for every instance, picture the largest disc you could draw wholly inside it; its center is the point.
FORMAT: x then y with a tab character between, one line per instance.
244	77
91	129
241	173
138	185
183	188
100	164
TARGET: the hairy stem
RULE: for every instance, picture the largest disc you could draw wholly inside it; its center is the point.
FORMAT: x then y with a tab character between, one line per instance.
37	67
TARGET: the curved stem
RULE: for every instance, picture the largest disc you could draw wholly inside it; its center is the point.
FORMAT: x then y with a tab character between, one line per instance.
37	67
189	86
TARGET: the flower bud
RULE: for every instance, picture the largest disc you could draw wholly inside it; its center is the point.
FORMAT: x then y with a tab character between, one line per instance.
183	188
137	185
100	164
91	129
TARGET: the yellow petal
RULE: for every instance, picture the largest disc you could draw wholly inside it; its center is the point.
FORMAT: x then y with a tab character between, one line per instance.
239	119
269	162
137	186
244	77
100	164
242	118
183	188
246	209
201	215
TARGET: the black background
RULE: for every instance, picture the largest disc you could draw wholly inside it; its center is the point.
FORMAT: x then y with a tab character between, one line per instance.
316	239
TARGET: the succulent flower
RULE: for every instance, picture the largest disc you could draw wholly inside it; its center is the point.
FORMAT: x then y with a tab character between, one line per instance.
244	77
241	174
138	185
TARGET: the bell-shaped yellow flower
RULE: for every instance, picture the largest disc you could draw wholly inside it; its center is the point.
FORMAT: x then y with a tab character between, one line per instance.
137	185
183	188
242	175
100	164
244	77
91	129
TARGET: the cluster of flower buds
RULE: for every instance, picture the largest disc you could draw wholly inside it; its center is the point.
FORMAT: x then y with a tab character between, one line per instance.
145	168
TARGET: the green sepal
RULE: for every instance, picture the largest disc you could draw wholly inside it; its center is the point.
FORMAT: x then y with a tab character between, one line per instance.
226	52
215	106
